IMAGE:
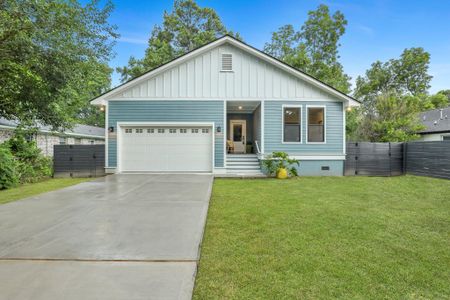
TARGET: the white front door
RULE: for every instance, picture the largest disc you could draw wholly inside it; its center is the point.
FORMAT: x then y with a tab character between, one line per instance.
238	129
166	149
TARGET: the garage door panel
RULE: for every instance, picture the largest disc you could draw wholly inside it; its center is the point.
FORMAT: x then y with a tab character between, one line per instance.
150	149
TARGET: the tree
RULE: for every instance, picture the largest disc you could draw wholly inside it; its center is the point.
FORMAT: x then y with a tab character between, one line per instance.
396	120
187	27
446	93
53	58
407	75
314	48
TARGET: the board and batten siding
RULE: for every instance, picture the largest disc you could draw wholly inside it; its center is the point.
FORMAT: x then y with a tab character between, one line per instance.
167	111
201	78
273	123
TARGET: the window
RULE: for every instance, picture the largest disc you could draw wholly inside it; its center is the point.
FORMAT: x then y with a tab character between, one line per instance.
194	130
161	130
92	142
183	130
128	130
77	141
292	124
316	124
172	130
205	130
150	130
227	62
62	140
139	130
446	137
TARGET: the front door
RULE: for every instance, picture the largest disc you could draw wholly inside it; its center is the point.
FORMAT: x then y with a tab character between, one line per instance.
237	135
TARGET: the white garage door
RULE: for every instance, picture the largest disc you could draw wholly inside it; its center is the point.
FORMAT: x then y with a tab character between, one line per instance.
166	149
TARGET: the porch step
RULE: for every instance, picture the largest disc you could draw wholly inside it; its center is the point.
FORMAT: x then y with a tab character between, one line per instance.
243	165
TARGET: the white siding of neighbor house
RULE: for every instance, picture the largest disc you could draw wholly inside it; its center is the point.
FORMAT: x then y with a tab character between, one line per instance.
201	78
433	137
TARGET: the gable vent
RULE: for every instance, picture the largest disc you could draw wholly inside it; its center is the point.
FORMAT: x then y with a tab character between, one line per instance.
227	62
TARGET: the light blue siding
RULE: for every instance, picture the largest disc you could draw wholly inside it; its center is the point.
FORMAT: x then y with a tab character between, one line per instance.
166	111
334	129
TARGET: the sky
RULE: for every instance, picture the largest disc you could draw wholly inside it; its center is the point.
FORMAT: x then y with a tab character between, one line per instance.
376	30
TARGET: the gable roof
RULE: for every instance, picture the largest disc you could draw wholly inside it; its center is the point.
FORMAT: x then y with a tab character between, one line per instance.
436	120
100	100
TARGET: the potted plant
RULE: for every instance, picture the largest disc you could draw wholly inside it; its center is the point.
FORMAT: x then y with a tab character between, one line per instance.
249	147
281	165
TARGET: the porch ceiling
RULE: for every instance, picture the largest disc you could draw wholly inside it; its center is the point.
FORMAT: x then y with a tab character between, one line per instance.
241	107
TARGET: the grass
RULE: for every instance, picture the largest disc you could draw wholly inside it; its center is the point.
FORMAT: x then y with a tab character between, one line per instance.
324	237
32	189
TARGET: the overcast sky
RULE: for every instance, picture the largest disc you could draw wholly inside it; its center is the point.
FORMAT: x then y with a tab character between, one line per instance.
377	29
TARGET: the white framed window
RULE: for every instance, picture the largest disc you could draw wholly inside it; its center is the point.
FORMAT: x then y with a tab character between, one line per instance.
172	130
161	130
227	62
139	130
316	130
92	142
205	130
292	123
77	141
128	130
62	140
183	130
446	137
150	130
194	130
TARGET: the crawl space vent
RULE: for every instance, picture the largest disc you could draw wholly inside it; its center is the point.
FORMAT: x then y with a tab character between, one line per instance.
227	62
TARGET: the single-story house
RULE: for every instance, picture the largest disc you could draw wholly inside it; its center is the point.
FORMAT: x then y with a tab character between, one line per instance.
437	125
219	109
46	138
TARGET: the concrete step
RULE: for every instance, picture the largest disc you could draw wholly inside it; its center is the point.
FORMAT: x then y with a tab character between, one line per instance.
242	163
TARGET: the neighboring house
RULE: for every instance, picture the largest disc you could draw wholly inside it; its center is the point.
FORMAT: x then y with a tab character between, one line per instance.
437	125
206	110
46	138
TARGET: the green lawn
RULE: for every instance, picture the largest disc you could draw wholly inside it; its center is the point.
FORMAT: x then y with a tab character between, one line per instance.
324	237
27	190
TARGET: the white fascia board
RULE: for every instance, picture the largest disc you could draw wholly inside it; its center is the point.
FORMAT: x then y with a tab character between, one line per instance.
56	133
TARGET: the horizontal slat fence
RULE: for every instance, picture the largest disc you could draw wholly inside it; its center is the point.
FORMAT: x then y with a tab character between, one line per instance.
428	159
79	160
374	159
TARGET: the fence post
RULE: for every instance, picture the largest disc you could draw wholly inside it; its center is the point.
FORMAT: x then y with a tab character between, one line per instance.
405	149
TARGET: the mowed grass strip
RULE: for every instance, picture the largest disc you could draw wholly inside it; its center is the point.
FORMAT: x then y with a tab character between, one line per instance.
324	237
32	189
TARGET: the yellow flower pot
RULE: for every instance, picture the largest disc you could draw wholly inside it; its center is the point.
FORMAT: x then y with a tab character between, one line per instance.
282	173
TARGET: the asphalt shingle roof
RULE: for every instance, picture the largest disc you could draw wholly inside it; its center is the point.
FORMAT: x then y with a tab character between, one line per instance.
78	129
436	120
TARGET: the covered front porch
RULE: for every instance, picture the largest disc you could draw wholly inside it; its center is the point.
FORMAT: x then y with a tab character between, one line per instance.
243	121
243	138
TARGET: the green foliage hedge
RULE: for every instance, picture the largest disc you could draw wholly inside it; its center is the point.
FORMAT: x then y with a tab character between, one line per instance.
21	161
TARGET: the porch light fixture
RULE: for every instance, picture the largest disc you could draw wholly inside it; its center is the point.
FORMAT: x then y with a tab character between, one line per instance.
349	108
111	129
240	107
219	129
102	108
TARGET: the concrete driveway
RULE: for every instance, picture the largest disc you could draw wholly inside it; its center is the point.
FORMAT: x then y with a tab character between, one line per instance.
118	237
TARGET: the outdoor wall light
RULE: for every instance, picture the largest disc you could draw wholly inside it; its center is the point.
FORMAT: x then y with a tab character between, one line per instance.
102	108
111	129
349	108
219	129
240	107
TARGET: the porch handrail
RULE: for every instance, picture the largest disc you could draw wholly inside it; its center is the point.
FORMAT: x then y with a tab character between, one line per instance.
257	147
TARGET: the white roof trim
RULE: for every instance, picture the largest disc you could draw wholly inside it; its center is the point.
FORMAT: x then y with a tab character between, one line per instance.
101	100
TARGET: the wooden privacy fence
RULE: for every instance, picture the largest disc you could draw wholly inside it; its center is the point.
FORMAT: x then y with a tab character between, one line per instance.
428	159
79	160
375	159
391	159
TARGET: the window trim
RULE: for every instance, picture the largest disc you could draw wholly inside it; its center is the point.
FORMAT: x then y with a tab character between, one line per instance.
324	123
282	123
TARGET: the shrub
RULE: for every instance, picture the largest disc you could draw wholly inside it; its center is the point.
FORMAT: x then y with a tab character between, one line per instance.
31	166
8	169
280	160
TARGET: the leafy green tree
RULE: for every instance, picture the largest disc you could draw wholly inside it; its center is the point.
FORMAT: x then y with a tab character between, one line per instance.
446	93
314	48
187	27
438	100
407	75
396	120
53	58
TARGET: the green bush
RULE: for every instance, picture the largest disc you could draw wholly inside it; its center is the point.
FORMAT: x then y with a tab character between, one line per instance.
280	160
31	165
8	169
